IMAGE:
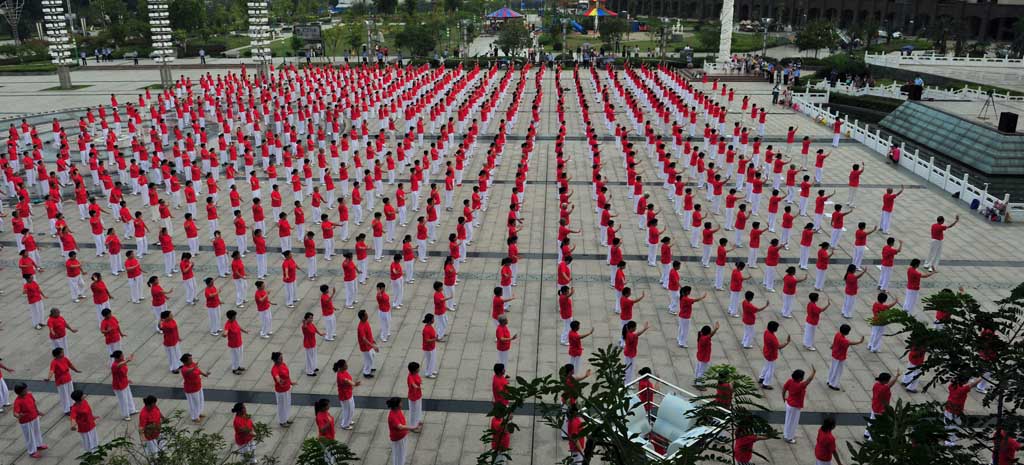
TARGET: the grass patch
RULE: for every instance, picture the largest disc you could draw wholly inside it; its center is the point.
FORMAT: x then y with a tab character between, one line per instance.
73	87
45	67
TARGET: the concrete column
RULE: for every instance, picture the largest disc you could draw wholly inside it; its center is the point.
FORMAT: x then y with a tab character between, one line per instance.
725	39
64	76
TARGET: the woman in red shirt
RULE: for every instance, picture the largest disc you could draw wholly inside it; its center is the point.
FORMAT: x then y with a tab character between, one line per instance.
793	393
100	295
345	387
150	419
840	346
244	432
83	421
324	421
121	384
212	295
159	296
415	393
28	419
429	345
825	449
192	377
743	447
631	339
34	294
913	292
398	430
821	265
850	289
881	394
60	373
955	402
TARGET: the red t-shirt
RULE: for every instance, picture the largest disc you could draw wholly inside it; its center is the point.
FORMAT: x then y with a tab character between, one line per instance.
913	279
704	348
880	395
243	423
825	446
771	346
840	345
498	385
395	419
282	375
796	392
193	381
344	387
308	336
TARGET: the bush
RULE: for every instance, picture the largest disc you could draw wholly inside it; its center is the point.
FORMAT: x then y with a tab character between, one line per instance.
869	102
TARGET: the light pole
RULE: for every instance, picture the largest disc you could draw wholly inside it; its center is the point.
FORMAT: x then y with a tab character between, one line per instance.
765	22
163	48
59	38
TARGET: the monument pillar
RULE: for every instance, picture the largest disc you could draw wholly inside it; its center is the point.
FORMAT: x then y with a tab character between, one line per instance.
725	38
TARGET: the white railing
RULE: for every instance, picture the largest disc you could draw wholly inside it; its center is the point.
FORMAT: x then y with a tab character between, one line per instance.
925	168
890	59
930	92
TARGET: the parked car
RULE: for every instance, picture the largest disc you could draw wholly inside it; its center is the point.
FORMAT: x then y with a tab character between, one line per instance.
897	35
131	55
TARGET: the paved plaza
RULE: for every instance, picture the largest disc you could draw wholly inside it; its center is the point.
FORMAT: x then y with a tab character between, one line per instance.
983	257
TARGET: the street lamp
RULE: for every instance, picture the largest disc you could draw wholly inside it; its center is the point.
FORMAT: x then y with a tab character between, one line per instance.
163	48
60	40
259	34
765	22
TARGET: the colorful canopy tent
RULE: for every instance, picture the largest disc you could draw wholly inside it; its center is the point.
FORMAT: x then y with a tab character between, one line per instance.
504	13
598	11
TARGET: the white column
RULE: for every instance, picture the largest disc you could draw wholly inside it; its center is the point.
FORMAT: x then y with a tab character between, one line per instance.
259	33
725	39
163	47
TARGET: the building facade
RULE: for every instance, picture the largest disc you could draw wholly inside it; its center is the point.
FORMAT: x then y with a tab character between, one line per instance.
982	20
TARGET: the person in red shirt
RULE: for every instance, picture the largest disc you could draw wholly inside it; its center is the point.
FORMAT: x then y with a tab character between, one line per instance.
34	294
735	286
825	449
309	333
345	387
281	377
324	421
499	384
743	446
73	269
913	291
860	242
793	393
631	341
503	339
60	372
1007	445
111	330
367	345
58	328
888	202
721	258
398	429
840	345
501	439
83	421
192	378
121	384
837	222
749	317
770	350
289	271
850	290
955	402
150	419
27	414
880	305
574	430
881	394
414	386
245	432
233	333
888	260
429	345
821	265
938	232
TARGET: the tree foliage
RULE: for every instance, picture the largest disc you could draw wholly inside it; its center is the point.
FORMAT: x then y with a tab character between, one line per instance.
385	6
909	433
612	30
181	446
817	35
419	38
1017	45
975	341
410	7
513	38
738	417
321	451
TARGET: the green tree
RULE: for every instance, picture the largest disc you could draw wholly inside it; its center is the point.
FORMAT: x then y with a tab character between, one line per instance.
738	416
1017	46
513	38
385	6
817	35
976	341
419	39
707	39
181	445
611	30
187	15
410	7
452	5
909	433
320	451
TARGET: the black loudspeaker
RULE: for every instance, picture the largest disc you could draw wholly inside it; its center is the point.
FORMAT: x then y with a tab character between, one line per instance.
1008	122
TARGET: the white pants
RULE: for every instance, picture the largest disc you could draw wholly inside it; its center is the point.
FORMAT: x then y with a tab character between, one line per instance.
787	304
875	342
64	393
430	361
348	410
32	434
792	421
77	285
701	368
289	294
886	222
858	255
368	362
350	293
768	373
848	301
809	330
415	411
442	325
819	279
310	360
734	301
630	363
213	314
196	403
135	285
934	254
266	323
883	277
125	401
173	357
36	310
398	288
4	394
236	357
284	406
503	358
684	332
910	301
89	440
398	452
911	377
330	326
748	335
835	371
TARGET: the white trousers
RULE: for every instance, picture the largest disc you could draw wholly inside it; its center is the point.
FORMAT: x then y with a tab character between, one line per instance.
684	332
33	435
368	357
883	277
835	371
237	357
90	441
173	357
848	301
934	254
125	401
748	335
266	322
415	411
348	410
310	360
792	421
768	373
398	452
284	406
875	341
430	361
196	403
64	393
809	330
